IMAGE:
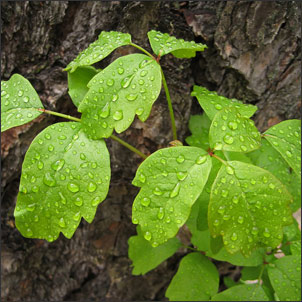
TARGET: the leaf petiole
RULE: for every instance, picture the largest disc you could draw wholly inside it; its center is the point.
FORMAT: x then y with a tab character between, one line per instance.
169	106
220	159
143	50
69	117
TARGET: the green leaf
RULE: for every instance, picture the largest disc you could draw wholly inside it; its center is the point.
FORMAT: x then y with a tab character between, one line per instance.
251	272
19	102
163	44
245	292
285	137
202	240
171	180
128	86
285	276
199	126
77	83
269	159
197	279
248	207
64	177
230	131
99	49
145	257
212	103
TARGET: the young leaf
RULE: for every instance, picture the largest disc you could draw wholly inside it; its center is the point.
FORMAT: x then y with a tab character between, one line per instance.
171	180
197	279
244	292
251	272
64	177
19	102
199	126
145	257
230	131
77	83
163	44
285	276
285	137
128	86
252	211
269	159
98	50
212	103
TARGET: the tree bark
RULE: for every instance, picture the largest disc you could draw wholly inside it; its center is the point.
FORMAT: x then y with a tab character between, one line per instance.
253	55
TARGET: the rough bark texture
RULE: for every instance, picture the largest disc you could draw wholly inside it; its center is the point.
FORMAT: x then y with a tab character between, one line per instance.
253	54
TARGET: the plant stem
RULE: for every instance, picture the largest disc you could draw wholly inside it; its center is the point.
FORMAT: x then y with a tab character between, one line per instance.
190	248
69	117
220	159
143	50
169	106
261	273
144	156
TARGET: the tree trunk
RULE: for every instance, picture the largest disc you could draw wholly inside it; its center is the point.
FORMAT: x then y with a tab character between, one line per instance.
253	54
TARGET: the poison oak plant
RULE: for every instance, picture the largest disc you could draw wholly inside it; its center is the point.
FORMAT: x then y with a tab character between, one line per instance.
233	187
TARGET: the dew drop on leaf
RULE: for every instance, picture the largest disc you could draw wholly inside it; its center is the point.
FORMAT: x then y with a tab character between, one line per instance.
229	170
180	159
58	165
145	201
148	236
79	201
157	192
175	191
49	180
62	223
91	187
181	175
76	216
95	201
161	213
118	115
72	187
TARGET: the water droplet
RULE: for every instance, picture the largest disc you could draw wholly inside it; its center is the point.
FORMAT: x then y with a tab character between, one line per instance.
79	201
26	99
234	237
235	199
62	223
229	170
224	193
221	209
226	217
201	159
139	111
272	186
218	106
20	92
148	236
240	219
120	70
29	232
118	115
142	178
243	148
181	175
72	187
266	233
175	191
126	82
264	179
105	111
157	191
91	187
134	220
49	180
143	73
104	125
233	125
216	222
180	159
31	207
228	139
288	153
255	231
95	201
58	165
131	97
110	82
145	201
76	216
35	189
161	213
47	136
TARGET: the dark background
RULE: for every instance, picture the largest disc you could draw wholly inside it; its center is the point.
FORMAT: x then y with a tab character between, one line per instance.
253	54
